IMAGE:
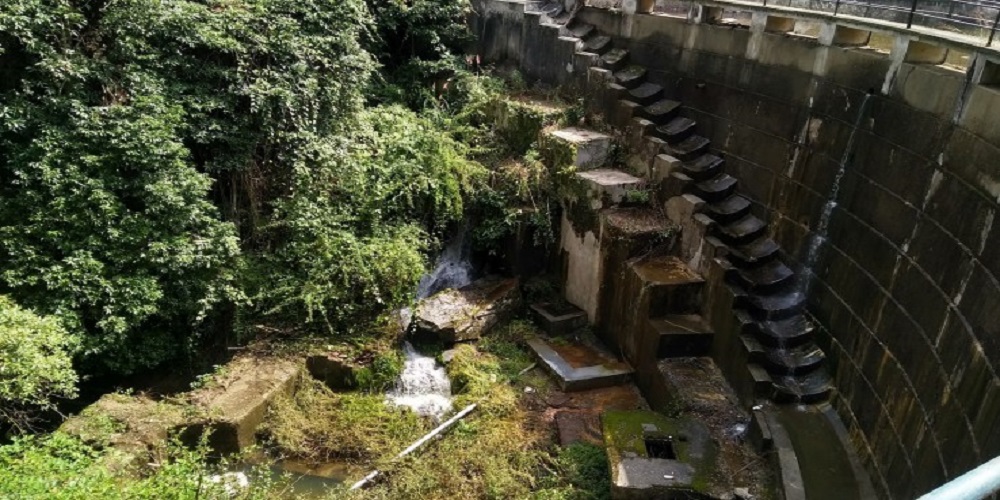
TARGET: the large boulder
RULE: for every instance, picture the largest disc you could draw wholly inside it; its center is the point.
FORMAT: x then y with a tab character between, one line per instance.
468	312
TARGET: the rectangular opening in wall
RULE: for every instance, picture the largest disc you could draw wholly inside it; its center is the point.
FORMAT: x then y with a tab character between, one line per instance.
660	448
807	29
673	8
882	42
958	60
728	17
776	24
925	53
851	37
991	75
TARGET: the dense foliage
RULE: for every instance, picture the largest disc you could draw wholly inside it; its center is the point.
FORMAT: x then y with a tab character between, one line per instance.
418	42
35	364
144	143
365	208
62	467
114	119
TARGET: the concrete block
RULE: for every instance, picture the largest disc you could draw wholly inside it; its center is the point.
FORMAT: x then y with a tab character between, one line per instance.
559	318
589	149
232	406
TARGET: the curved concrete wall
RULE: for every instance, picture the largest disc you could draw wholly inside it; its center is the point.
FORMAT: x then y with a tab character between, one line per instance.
906	288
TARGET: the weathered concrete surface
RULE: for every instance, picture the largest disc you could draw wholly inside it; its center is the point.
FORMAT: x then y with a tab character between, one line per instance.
593	149
232	405
579	366
469	312
913	233
135	425
638	472
335	370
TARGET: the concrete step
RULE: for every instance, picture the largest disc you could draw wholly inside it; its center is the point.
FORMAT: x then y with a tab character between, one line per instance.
579	366
646	94
754	253
588	149
630	77
742	231
673	288
580	30
764	278
704	167
689	149
598	44
776	307
797	360
715	189
730	209
608	185
790	332
682	335
676	130
661	111
811	388
614	59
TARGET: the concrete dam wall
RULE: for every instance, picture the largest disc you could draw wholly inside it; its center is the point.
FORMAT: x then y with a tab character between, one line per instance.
877	169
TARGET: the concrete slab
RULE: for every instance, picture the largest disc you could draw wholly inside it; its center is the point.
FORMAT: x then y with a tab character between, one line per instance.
578	366
559	318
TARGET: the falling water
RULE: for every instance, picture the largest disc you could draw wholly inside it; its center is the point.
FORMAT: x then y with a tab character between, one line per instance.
423	386
453	268
819	236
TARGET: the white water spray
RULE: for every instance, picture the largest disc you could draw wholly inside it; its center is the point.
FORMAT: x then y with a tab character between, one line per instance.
819	236
423	386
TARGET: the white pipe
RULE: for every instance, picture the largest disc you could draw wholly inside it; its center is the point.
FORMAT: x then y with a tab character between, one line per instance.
420	442
978	483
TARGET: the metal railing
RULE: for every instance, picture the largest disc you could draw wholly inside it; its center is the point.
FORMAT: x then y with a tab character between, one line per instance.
977	21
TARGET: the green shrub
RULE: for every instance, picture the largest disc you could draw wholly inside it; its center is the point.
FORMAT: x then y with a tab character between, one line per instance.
35	364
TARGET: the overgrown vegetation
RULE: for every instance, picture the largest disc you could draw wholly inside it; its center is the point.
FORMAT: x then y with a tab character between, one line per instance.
174	171
62	467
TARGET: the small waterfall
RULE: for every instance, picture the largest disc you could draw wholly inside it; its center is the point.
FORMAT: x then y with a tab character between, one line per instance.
453	268
423	386
819	236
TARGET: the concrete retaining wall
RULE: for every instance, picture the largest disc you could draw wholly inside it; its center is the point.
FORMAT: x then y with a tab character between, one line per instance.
906	290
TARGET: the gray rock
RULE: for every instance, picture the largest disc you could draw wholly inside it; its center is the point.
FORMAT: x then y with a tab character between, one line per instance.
469	312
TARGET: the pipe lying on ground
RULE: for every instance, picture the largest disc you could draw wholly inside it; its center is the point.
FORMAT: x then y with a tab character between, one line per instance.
978	483
420	442
430	435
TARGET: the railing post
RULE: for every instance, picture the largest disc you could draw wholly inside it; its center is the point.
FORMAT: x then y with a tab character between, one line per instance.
836	7
913	10
993	32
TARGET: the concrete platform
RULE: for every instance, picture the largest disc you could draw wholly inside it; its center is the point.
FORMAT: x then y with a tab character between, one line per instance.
579	366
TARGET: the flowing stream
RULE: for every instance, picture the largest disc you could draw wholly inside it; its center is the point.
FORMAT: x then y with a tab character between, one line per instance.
424	386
